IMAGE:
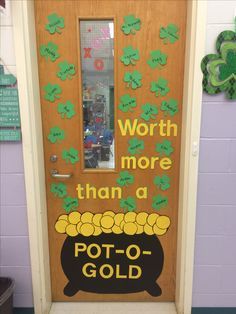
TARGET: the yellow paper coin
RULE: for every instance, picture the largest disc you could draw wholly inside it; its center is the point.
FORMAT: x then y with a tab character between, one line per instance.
109	213
130	228
105	230
71	230
86	217
122	225
97	231
151	219
63	217
61	225
163	222
79	224
140	229
96	220
141	218
130	217
148	229
116	229
158	231
74	217
87	229
118	218
107	222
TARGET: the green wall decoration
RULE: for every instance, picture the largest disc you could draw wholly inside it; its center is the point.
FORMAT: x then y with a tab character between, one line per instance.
130	55
159	202
125	178
66	110
169	34
136	146
131	25
163	182
133	79
59	189
55	23
52	92
56	135
127	103
160	87
149	112
170	107
157	59
219	70
128	204
49	51
70	204
164	148
71	155
67	70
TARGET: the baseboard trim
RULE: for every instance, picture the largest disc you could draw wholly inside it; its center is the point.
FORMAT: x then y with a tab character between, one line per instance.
214	310
23	310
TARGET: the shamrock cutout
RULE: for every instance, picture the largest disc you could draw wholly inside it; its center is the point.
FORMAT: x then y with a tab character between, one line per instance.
228	69
162	182
157	59
165	148
170	107
160	87
56	135
66	110
52	92
66	70
49	51
133	79
70	155
135	146
127	103
70	204
149	112
128	204
55	22
169	34
130	55
58	189
131	25
159	202
125	178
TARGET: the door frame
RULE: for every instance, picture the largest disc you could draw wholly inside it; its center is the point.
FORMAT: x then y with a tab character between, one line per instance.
29	98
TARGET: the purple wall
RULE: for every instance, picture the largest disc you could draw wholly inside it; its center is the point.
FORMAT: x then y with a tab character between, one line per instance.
215	249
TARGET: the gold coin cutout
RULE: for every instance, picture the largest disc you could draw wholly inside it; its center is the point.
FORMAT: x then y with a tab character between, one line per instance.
74	217
87	229
71	230
86	217
61	225
141	218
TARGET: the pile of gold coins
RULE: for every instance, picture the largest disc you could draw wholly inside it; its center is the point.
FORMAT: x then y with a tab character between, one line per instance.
131	223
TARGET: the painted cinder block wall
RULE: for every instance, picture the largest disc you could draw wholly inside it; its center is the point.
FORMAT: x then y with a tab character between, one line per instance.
215	252
215	249
14	240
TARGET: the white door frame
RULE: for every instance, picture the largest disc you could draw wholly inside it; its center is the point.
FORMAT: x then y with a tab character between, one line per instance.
28	85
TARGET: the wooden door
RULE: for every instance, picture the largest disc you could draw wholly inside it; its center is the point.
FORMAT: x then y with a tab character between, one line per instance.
112	218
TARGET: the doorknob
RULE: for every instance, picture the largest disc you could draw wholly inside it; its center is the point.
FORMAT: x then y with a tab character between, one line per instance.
55	174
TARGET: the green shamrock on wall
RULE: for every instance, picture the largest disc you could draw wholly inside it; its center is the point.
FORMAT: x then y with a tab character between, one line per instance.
136	146
67	70
66	110
169	34
133	79
127	103
164	148
159	202
56	135
52	92
125	178
163	182
55	23
160	87
170	107
71	155
131	25
59	189
70	204
149	112
130	55
49	51
128	204
157	59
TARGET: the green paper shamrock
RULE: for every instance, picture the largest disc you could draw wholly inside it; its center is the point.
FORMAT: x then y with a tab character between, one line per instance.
169	34
170	107
52	92
157	60
135	146
165	148
66	70
160	87
49	51
55	22
130	55
70	204
149	112
59	189
125	178
70	155
131	25
162	182
133	79
56	135
128	204
127	103
159	202
228	70
66	110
